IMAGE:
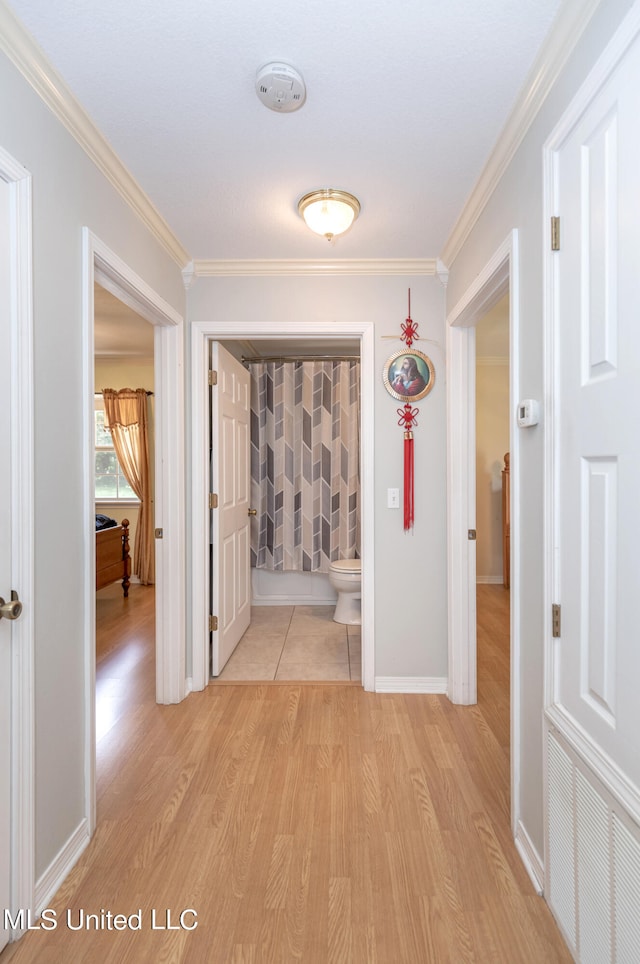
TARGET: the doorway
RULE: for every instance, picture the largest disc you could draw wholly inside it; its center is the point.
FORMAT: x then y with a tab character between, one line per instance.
105	267
492	406
123	358
271	590
202	334
498	278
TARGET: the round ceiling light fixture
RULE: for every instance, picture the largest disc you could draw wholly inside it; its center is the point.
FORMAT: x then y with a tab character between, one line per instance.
280	87
329	212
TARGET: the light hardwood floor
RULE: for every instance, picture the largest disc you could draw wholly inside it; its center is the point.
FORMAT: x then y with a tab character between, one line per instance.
303	822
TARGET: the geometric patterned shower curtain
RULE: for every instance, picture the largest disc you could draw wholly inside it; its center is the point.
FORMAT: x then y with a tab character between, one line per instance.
305	464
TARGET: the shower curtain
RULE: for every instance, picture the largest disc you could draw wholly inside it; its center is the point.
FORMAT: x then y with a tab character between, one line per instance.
305	472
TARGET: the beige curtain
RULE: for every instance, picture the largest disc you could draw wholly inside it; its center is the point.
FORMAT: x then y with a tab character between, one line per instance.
125	413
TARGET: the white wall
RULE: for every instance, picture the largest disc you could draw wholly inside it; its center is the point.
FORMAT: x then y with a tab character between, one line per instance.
492	441
517	203
68	193
410	576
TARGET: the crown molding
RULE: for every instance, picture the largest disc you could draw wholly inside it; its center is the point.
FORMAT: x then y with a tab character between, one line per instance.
307	268
563	37
27	57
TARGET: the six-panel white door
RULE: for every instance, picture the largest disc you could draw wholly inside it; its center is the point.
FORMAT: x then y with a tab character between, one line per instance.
597	340
230	453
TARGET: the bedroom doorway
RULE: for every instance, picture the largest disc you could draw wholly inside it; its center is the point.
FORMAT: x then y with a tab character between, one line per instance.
125	616
499	278
103	266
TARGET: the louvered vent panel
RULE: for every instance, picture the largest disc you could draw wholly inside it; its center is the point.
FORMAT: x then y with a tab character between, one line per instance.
594	873
561	838
626	883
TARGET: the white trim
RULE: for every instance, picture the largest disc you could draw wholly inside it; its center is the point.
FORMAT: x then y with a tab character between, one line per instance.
24	54
103	265
60	866
461	557
169	506
411	684
303	268
530	858
22	779
489	580
500	274
566	31
201	333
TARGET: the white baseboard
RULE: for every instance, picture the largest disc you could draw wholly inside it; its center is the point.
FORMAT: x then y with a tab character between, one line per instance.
530	858
489	580
60	867
411	684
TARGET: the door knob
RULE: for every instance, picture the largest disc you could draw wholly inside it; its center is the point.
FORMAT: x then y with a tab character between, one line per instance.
252	512
12	609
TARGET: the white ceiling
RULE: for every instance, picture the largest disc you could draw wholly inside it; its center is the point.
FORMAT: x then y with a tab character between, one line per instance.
118	330
404	102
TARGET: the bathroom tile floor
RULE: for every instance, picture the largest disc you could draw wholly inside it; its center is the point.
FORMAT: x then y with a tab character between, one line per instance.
295	643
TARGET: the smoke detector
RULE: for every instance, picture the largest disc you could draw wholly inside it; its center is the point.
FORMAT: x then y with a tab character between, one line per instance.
280	87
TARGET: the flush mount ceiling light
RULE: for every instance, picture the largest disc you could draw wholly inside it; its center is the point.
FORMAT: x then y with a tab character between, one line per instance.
329	212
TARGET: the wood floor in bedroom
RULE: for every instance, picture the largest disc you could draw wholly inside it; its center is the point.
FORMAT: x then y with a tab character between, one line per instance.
308	822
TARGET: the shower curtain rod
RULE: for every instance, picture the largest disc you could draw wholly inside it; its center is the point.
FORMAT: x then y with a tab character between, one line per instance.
298	358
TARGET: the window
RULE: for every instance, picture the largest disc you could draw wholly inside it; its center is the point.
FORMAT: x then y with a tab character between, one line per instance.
111	485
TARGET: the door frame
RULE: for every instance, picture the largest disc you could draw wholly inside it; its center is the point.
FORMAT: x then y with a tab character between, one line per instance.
499	275
22	779
101	264
201	333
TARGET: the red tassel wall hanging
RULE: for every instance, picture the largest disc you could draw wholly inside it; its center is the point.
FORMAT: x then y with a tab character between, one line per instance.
408	375
408	420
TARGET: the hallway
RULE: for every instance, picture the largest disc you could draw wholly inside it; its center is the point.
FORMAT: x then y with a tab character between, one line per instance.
302	822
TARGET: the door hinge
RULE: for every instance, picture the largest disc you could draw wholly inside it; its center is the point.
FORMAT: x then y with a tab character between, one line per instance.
555	620
213	624
213	378
471	535
555	234
158	533
213	500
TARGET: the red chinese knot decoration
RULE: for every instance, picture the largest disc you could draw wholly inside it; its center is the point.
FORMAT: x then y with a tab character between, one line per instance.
408	375
409	327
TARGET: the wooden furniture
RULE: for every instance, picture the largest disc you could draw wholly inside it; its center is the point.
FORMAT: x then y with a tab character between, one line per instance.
506	524
112	556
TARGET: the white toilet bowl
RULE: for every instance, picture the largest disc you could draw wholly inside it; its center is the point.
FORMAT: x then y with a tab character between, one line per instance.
345	575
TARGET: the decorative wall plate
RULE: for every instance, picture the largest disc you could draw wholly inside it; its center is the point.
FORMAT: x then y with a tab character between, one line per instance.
408	375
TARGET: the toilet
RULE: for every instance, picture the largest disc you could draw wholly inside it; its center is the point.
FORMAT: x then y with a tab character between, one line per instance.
345	575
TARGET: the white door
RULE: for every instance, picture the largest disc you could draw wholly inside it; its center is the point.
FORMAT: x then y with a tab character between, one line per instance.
598	442
9	437
595	665
230	562
5	558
